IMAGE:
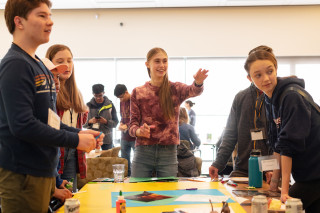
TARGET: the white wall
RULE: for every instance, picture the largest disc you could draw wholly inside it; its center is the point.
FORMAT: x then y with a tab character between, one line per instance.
212	31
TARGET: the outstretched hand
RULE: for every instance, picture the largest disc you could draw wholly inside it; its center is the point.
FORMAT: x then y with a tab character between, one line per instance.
200	76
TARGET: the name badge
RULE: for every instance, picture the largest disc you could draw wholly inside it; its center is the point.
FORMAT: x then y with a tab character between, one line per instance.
96	126
267	163
257	134
53	119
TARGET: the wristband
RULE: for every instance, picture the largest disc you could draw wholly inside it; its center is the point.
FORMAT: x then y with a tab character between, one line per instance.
198	85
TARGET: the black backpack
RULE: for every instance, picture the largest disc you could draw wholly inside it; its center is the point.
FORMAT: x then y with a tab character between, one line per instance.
186	162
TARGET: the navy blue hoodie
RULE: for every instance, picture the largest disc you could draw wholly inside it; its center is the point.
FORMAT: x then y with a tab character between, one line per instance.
28	145
295	129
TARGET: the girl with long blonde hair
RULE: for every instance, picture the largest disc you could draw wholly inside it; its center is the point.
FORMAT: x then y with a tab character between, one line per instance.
154	117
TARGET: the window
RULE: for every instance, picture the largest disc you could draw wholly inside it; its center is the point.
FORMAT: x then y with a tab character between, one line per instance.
310	73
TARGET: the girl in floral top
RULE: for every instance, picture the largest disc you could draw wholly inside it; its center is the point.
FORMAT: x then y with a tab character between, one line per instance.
154	117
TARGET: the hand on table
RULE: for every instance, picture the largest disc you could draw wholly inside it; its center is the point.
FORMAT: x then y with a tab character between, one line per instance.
62	194
268	177
213	172
284	197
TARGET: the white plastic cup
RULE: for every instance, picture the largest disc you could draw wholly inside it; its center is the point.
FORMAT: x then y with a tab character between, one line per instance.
118	172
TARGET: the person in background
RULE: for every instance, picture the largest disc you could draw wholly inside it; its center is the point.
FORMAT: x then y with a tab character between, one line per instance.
72	111
247	113
102	115
154	117
186	131
192	115
30	131
294	129
127	142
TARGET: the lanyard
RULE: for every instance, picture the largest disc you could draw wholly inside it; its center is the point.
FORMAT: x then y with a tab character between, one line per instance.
257	114
257	111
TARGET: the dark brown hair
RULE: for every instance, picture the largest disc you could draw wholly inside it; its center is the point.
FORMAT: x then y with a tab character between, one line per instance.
260	53
183	116
166	102
20	8
69	95
190	103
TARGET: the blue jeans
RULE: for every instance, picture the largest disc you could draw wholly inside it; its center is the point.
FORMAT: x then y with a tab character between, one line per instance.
125	152
107	146
70	167
155	160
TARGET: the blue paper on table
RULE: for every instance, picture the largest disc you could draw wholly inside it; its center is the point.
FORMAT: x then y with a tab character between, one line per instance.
153	179
173	194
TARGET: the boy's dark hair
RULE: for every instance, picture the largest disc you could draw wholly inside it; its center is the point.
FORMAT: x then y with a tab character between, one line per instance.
97	88
119	90
20	8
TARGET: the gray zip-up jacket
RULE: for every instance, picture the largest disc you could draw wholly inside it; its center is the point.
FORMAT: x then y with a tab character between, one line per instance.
107	111
237	131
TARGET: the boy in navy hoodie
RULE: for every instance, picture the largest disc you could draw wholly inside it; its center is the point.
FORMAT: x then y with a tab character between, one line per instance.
30	130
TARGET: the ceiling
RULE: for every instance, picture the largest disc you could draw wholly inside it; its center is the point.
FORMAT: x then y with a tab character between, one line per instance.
91	4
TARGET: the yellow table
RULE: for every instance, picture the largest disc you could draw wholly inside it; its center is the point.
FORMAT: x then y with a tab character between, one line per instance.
96	198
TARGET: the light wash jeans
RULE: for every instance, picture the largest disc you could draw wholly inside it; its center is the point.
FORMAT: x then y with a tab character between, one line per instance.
126	151
155	160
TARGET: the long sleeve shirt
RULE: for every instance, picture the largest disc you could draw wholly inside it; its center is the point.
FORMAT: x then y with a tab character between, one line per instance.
28	145
145	108
237	131
125	119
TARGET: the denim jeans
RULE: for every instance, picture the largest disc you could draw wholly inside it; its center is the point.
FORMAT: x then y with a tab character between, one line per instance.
126	151
107	146
70	167
155	160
